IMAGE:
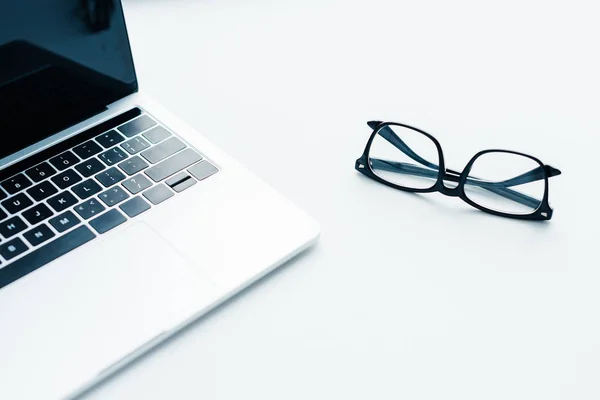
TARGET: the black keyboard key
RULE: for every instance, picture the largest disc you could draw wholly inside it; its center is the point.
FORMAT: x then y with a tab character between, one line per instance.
109	139
89	167
110	177
16	184
180	182
37	214
87	149
157	134
173	165
113	196
203	170
64	221
39	235
86	189
2	194
112	156
12	226
137	184
45	254
177	178
64	160
13	248
40	172
133	165
136	126
2	215
17	203
66	179
186	184
163	150
41	191
107	221
90	208
158	194
135	206
62	201
135	145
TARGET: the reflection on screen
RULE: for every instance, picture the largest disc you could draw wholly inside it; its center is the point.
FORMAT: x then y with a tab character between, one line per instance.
61	61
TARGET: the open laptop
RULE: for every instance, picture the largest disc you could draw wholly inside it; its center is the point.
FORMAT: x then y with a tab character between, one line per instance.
119	224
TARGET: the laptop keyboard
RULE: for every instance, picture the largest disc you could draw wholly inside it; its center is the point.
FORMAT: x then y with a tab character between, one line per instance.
69	194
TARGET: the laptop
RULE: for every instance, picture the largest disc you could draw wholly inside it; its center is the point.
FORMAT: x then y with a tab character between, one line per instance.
119	224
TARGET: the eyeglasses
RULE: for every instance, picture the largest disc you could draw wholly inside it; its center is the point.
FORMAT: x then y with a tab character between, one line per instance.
501	182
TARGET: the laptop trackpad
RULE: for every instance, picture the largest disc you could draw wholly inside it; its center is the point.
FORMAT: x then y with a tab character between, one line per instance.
123	290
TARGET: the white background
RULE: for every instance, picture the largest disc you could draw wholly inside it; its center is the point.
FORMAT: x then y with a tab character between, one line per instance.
406	296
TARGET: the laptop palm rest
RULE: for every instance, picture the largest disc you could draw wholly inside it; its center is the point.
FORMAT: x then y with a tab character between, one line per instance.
123	290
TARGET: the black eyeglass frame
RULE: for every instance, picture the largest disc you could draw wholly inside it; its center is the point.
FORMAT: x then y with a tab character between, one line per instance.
542	213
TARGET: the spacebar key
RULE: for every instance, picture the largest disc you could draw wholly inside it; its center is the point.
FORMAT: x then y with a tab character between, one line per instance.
172	165
44	255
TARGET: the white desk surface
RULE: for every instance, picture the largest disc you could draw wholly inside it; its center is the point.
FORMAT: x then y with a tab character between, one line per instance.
406	296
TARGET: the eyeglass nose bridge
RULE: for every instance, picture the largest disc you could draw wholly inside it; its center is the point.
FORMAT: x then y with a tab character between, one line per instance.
448	191
450	176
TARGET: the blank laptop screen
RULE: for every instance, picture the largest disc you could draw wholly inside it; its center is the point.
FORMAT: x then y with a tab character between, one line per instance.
61	62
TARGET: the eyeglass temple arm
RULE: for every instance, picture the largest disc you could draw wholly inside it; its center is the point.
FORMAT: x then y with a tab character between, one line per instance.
494	187
531	176
388	134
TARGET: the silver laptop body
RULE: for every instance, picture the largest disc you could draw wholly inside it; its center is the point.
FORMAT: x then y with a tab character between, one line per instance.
119	224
